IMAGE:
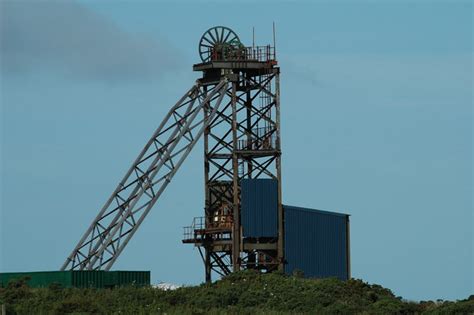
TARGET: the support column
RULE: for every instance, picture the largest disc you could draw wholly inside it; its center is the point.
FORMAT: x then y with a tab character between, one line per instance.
208	265
281	219
248	105
207	130
235	186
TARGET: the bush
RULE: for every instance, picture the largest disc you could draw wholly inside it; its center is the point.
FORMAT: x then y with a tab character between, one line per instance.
246	292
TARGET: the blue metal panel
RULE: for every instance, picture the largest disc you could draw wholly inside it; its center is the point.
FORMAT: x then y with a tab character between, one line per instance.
316	242
259	207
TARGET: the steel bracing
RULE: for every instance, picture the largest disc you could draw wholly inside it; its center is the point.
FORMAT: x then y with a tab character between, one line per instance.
242	141
148	177
235	107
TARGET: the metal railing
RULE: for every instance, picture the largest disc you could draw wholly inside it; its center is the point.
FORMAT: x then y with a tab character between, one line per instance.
199	227
262	139
257	53
190	231
260	53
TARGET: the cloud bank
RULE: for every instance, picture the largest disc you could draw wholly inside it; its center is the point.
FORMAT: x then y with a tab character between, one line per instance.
68	38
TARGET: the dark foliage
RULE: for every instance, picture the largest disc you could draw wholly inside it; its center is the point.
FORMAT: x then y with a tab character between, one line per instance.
240	293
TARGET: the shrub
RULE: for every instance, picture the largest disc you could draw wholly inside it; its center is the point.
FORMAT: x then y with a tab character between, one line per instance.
246	292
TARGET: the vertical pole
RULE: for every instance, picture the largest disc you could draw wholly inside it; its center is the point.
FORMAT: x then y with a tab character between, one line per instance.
348	248
248	105
274	43
281	219
208	264
236	216
253	37
251	260
207	130
207	247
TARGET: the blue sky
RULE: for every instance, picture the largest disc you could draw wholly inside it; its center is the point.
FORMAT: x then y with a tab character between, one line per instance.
376	122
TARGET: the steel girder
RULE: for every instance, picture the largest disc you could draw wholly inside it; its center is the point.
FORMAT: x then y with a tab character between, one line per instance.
242	141
147	178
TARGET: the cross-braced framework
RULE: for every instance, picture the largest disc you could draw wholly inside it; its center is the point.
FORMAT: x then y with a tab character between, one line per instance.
236	106
241	141
148	177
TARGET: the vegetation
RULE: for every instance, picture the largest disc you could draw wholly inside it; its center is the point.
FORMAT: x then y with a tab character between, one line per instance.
240	293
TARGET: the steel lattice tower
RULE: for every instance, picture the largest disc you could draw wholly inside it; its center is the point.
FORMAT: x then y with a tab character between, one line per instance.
242	141
235	106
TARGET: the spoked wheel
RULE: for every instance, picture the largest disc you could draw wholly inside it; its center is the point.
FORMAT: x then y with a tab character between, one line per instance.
217	36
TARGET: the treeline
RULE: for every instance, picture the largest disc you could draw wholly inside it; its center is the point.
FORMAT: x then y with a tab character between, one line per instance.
244	292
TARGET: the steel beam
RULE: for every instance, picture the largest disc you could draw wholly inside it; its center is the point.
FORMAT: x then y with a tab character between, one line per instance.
146	180
252	115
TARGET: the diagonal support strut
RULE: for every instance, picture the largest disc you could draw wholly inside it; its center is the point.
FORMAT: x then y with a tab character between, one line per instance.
147	178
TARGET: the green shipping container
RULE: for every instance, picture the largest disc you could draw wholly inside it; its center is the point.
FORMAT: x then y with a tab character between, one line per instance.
38	279
87	279
126	278
79	279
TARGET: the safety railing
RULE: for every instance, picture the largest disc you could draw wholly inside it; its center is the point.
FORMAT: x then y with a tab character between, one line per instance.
262	139
257	53
199	227
190	232
260	53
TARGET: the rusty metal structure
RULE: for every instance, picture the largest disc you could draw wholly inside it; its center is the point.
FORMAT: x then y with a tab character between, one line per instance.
242	141
235	107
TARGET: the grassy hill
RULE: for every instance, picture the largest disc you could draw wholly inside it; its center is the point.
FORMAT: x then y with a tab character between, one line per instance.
240	293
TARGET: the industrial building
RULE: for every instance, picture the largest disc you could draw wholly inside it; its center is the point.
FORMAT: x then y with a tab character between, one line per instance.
235	108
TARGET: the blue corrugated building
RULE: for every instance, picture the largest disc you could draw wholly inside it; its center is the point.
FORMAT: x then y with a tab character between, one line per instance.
259	208
317	243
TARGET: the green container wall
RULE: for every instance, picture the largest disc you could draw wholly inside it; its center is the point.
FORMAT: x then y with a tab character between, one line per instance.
80	279
88	278
138	278
38	279
110	279
126	278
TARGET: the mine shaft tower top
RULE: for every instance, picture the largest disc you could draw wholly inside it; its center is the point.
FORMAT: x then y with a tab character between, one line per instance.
221	48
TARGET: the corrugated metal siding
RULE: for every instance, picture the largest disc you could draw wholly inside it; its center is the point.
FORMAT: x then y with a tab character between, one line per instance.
110	279
38	278
259	207
79	279
88	278
316	242
125	278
